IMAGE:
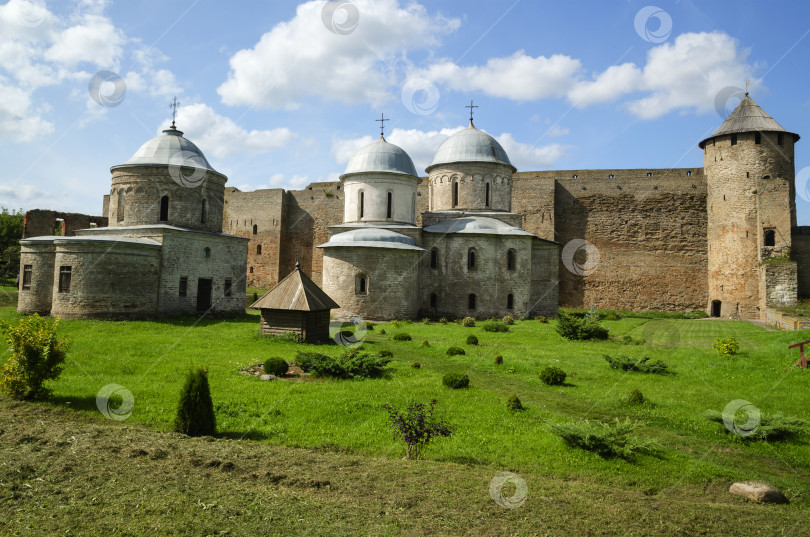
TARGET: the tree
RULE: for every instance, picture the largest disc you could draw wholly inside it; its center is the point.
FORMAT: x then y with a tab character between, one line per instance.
416	426
11	230
195	412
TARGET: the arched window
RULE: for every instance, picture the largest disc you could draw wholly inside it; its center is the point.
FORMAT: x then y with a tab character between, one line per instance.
203	212
251	270
471	302
510	259
510	301
434	258
434	300
361	284
455	193
390	210
164	208
770	237
121	205
487	196
471	259
255	229
207	252
258	249
362	199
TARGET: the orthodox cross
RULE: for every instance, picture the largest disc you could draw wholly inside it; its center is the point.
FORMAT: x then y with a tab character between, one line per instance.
747	83
471	109
382	121
174	105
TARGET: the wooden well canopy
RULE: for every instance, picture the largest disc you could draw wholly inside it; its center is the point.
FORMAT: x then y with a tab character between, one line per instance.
296	305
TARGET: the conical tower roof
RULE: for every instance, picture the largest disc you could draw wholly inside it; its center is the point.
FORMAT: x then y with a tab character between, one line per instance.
748	117
296	292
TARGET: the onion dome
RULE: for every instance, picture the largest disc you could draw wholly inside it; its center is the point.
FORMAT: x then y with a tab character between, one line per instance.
380	157
748	117
470	145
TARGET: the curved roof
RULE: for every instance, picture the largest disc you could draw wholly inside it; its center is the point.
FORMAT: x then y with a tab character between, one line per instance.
476	224
470	145
380	156
748	117
371	237
169	148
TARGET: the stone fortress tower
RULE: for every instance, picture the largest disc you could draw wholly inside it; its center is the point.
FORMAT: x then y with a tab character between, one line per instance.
470	257
163	254
751	210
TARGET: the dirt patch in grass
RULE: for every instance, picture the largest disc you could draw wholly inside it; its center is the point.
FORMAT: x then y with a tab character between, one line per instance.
62	470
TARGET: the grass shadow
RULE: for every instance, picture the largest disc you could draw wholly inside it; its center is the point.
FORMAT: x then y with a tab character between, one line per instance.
85	402
244	435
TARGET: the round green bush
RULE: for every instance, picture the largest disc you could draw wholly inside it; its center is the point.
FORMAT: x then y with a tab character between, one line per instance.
513	403
472	340
635	398
402	336
426	343
276	366
468	322
508	320
543	319
553	376
382	332
416	365
498	360
456	381
385	354
455	351
443	320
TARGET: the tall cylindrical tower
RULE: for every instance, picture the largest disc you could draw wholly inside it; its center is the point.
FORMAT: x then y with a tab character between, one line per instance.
751	209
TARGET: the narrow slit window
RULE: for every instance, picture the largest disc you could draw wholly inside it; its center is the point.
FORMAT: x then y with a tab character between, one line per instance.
207	253
434	300
780	139
26	280
455	194
362	199
733	139
258	249
228	287
757	138
390	209
255	229
487	195
510	259
65	274
203	212
471	260
434	258
183	289
510	301
471	302
164	209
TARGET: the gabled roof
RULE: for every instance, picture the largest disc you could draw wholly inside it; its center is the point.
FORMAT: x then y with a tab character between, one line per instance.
748	117
296	292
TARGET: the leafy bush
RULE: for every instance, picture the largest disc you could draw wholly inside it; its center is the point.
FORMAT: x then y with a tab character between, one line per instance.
37	355
416	365
353	363
426	320
443	320
402	336
417	426
494	326
472	340
543	319
385	354
635	398
456	381
608	441
426	343
498	360
726	346
365	325
397	324
293	337
640	365
276	366
513	403
468	322
195	411
382	332
574	327
508	320
553	376
455	351
771	427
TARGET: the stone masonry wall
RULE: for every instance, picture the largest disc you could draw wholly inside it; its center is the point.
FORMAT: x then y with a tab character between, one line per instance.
800	252
38	223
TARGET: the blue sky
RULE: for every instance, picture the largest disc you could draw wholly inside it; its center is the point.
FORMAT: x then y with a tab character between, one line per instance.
279	94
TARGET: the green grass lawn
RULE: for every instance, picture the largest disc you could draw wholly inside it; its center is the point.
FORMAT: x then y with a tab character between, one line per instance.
151	358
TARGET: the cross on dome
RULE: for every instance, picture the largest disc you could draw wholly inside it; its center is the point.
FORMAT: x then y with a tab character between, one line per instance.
471	107
382	121
174	105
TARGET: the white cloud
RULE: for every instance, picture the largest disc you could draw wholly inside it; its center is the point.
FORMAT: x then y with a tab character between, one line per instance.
94	39
530	157
302	57
12	196
611	84
518	77
221	137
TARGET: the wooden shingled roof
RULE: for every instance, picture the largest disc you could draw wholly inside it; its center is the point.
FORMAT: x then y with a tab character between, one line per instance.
748	117
296	292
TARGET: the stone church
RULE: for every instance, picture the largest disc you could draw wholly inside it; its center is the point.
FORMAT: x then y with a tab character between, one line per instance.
163	252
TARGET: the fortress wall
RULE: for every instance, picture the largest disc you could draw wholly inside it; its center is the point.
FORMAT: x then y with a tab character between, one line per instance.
41	222
650	233
800	253
533	197
264	209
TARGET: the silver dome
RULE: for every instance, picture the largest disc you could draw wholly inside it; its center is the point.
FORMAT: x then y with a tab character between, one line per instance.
476	224
169	148
371	237
380	156
470	145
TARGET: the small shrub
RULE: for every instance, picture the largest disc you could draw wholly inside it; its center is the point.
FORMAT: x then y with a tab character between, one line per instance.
607	441
513	403
611	316
443	320
553	376
195	411
382	332
416	365
37	355
353	363
508	320
770	427
726	346
426	320
543	319
455	351
630	340
402	336
574	327
276	366
635	398
385	354
426	343
417	426
255	296
292	337
468	322
472	340
456	381
498	360
494	326
397	324
640	365
511	370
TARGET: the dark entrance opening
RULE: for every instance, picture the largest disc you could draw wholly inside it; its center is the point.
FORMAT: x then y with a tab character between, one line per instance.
203	294
716	308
